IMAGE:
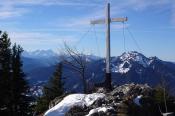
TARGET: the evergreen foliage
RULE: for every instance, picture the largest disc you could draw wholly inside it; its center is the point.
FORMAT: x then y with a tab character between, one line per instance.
5	61
51	90
14	98
42	105
54	87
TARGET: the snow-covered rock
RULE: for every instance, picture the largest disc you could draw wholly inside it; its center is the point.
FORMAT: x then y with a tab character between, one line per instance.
106	104
137	100
72	100
99	109
168	114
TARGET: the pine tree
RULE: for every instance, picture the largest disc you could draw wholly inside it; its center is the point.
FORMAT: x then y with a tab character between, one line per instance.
5	72
13	87
19	86
53	89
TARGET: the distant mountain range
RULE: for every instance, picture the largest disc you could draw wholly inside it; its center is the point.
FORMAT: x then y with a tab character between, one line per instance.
39	65
127	68
38	54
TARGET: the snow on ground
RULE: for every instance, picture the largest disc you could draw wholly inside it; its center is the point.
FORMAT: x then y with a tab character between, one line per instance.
137	100
100	109
168	114
73	100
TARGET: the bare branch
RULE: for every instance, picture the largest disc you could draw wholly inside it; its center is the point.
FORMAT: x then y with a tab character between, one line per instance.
75	61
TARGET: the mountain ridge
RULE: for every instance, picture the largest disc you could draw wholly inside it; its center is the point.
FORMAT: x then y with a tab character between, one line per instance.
126	68
132	67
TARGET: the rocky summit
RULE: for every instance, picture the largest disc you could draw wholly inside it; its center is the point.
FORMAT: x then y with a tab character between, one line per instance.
126	100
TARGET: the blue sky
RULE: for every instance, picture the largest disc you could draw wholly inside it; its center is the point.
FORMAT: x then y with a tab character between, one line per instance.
47	24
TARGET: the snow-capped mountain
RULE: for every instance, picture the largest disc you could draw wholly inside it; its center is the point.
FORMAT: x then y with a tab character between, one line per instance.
126	61
127	68
39	65
39	54
92	57
135	67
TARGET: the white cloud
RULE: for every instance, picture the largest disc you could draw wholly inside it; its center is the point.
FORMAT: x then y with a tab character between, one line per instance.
39	36
98	12
140	4
14	8
14	12
117	8
8	10
38	40
19	7
53	2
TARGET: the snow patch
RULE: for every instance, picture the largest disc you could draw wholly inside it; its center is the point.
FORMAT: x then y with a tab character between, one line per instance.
122	68
137	100
168	114
100	109
73	100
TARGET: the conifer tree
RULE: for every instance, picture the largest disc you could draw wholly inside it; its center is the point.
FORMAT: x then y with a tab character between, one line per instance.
53	89
5	72
13	86
19	87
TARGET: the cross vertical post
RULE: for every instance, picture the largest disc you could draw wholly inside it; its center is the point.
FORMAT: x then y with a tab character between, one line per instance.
107	21
108	50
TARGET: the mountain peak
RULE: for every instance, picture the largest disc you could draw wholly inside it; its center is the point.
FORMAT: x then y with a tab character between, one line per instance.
127	59
40	53
134	56
131	55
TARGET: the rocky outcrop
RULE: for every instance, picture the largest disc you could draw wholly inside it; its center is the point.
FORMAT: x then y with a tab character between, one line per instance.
118	102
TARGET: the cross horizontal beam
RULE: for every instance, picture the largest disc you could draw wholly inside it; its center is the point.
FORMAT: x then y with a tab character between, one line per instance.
119	19
102	21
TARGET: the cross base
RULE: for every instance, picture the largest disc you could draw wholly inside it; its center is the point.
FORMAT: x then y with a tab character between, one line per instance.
107	82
